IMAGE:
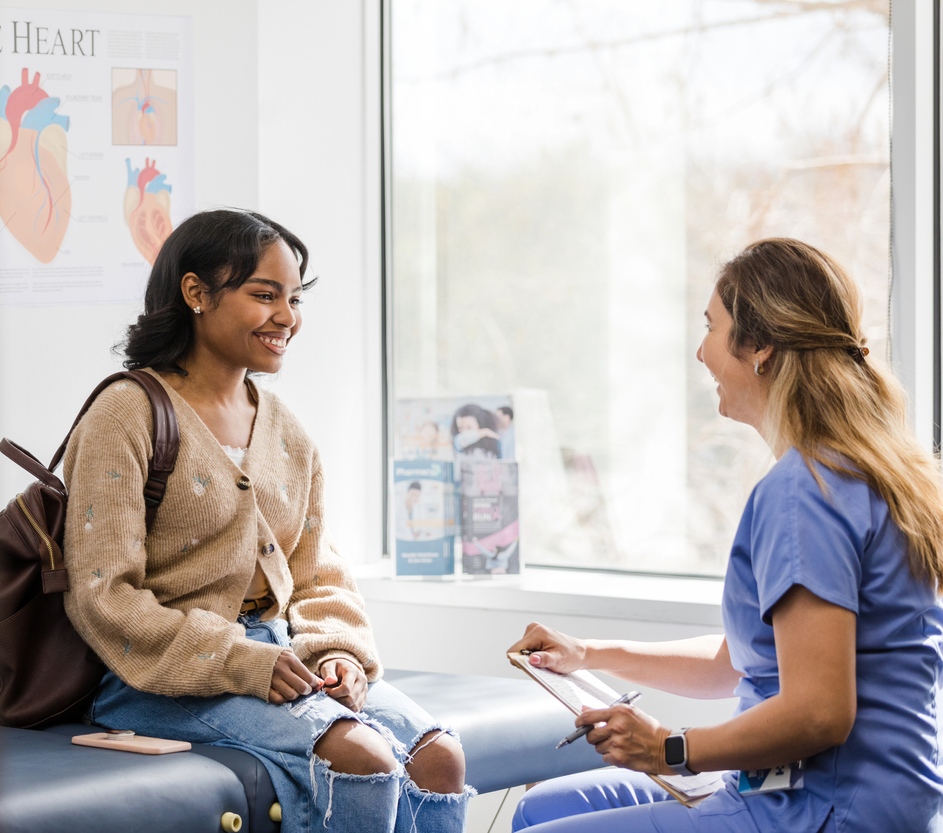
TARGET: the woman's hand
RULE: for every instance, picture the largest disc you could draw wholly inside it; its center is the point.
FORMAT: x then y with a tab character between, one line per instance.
627	738
290	679
345	682
551	649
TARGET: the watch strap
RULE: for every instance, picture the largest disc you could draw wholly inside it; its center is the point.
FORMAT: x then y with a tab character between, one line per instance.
680	767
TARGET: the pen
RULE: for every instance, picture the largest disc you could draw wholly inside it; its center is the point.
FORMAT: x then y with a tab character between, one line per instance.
631	697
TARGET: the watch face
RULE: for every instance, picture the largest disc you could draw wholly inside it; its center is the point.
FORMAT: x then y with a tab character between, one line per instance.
674	750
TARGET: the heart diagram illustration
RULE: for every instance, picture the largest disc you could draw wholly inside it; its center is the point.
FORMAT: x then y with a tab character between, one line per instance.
147	208
143	110
35	198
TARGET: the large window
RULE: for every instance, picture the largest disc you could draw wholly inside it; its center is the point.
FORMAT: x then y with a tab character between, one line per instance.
566	178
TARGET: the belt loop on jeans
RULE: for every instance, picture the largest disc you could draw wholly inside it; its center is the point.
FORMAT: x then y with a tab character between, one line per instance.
252	605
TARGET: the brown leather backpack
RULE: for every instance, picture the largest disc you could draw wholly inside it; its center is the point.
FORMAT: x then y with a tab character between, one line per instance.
47	673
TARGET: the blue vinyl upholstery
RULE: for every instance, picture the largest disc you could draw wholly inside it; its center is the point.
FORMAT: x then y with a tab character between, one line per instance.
509	728
47	784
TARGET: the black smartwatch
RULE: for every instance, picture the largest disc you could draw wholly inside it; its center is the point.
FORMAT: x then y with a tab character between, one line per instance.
676	753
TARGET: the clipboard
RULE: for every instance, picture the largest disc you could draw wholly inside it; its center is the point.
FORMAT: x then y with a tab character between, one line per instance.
574	690
581	688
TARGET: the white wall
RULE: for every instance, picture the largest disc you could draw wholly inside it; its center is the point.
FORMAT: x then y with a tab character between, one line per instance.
319	151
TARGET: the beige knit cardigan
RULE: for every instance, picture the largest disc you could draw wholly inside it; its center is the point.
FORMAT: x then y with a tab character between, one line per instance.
160	609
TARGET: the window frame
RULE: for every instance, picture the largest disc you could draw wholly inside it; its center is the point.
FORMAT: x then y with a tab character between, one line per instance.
915	303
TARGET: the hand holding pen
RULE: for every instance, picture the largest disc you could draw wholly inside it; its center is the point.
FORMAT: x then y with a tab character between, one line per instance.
627	699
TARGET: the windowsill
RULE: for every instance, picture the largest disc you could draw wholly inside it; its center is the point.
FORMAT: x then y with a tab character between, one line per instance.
689	601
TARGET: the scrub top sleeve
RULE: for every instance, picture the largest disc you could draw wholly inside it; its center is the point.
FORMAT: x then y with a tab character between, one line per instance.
802	536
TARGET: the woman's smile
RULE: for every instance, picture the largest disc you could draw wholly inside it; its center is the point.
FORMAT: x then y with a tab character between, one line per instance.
276	343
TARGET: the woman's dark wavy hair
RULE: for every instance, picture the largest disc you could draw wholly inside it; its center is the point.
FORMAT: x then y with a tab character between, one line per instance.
223	248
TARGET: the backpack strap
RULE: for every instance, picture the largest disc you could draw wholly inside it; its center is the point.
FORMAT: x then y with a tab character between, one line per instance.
25	460
166	440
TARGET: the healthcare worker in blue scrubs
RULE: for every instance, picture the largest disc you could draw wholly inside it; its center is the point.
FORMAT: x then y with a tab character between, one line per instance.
832	626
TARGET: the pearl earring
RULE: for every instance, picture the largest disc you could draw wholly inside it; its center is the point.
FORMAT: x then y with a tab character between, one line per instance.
197	310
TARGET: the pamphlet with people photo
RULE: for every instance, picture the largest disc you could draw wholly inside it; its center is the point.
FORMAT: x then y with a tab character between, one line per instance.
424	515
476	435
489	523
449	428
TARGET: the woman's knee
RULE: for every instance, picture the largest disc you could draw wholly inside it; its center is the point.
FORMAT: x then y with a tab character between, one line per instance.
351	747
438	763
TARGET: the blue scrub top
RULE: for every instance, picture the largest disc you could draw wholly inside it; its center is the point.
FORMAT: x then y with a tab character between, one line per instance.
844	548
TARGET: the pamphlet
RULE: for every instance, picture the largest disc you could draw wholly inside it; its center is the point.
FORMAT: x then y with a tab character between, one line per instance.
473	439
424	517
454	427
490	523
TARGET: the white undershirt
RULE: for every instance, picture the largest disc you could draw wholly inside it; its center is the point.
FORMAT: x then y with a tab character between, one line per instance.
237	455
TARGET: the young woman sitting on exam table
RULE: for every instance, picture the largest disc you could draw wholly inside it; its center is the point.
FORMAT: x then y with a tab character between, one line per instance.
832	628
235	621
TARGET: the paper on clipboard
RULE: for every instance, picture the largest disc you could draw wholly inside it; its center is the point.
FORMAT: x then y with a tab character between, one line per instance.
691	789
574	690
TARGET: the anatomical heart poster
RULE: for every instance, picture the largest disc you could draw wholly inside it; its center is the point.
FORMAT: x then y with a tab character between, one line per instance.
96	151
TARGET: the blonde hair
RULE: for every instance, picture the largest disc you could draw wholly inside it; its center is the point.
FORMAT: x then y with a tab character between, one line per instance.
825	398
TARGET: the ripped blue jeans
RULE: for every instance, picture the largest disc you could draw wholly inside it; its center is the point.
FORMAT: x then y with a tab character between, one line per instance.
313	797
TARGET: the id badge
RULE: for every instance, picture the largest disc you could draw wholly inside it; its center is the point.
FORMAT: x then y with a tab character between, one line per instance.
785	777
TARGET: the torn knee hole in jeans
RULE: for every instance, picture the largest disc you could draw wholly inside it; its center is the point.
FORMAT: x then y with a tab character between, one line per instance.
412	790
436	732
321	767
416	797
